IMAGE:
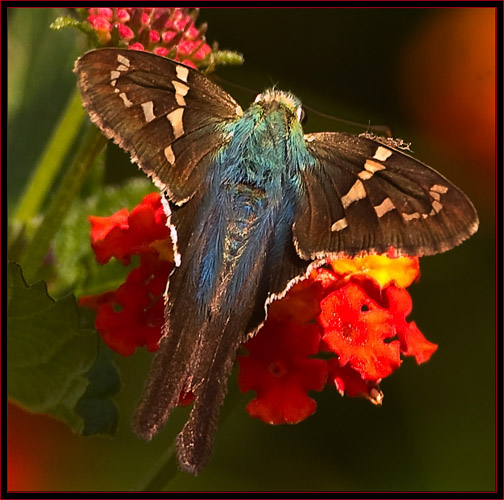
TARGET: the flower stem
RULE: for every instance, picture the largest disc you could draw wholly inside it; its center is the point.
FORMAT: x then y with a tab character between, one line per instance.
164	471
70	186
51	160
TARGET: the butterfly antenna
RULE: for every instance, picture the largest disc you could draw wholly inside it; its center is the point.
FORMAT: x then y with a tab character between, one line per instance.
384	129
236	85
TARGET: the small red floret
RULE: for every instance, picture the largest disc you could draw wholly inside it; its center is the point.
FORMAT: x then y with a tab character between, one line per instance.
360	332
133	315
280	370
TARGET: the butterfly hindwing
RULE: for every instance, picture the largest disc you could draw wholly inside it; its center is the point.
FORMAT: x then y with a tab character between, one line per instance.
364	195
167	116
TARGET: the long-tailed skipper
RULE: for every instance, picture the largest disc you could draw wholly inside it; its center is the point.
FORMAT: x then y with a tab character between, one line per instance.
253	204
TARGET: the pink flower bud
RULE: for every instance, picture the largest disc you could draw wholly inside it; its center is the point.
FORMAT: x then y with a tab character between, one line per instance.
202	52
181	23
154	36
145	19
168	36
189	63
136	46
125	32
185	47
192	33
99	23
123	15
106	13
161	51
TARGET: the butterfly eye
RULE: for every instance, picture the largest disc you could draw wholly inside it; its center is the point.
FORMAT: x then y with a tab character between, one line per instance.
302	115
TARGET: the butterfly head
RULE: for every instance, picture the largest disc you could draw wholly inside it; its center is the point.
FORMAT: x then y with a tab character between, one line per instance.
272	100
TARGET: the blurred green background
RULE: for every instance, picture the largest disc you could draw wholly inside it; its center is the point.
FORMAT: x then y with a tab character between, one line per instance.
429	75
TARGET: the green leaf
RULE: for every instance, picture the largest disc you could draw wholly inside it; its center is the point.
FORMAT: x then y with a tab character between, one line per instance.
95	407
50	355
75	261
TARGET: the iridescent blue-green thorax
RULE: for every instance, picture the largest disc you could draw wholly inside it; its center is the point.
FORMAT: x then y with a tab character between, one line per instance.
267	147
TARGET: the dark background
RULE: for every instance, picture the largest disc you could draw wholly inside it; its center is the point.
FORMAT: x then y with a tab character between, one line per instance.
429	75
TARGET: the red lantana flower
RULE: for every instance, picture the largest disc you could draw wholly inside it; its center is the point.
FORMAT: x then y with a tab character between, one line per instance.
413	343
280	370
360	312
168	32
124	233
344	325
349	381
133	315
360	332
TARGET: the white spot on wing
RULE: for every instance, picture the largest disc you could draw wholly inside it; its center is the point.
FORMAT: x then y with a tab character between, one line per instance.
439	189
170	157
114	75
373	166
365	175
339	225
148	110
180	88
180	100
370	167
356	192
385	206
123	60
125	100
382	153
408	217
122	67
175	118
182	73
435	193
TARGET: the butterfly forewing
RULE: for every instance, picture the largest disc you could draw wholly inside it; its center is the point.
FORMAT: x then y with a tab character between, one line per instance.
159	111
365	196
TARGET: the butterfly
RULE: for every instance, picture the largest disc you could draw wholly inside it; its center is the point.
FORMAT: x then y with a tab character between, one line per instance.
253	205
